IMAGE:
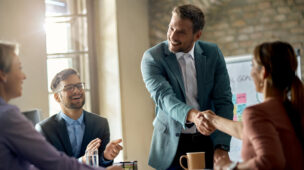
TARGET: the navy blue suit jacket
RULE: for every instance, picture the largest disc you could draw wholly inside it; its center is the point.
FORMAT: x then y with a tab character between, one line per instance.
55	131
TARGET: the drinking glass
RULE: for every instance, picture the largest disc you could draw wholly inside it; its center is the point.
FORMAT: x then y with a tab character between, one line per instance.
92	158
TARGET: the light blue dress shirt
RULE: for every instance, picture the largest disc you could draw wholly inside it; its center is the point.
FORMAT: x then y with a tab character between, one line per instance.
75	131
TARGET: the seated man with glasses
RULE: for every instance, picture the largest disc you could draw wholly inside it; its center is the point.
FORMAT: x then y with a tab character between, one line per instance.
74	130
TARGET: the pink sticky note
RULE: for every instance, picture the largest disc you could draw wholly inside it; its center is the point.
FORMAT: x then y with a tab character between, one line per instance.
235	117
241	98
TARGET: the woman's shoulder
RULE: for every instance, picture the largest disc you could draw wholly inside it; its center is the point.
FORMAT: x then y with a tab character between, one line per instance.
263	109
267	110
8	108
7	111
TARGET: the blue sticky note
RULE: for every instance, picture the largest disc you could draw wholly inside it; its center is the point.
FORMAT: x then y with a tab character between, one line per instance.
240	109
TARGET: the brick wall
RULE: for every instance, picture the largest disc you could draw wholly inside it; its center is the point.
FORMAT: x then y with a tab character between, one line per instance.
238	25
160	14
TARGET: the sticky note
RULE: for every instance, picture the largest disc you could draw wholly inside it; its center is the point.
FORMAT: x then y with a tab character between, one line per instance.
241	98
234	113
234	99
240	109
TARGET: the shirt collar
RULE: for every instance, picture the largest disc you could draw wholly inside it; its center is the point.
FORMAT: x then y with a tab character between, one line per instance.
191	53
69	120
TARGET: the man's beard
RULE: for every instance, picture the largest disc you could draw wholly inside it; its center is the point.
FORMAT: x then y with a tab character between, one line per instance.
75	106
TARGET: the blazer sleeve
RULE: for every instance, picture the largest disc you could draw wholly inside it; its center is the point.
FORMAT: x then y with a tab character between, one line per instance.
28	144
160	89
105	140
222	98
265	141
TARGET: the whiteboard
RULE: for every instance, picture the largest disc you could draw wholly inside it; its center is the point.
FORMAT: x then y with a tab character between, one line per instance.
243	93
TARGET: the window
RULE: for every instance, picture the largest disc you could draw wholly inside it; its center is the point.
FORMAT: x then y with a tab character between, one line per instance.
66	29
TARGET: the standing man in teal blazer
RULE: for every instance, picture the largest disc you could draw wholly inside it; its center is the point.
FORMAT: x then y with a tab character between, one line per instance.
184	77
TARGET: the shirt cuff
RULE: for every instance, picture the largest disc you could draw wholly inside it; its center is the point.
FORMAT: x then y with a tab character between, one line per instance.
223	147
105	162
80	159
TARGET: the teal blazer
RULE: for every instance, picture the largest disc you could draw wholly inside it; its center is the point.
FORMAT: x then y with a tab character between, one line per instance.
162	75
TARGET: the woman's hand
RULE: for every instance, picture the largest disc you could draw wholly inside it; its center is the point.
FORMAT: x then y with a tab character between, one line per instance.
221	163
203	125
209	115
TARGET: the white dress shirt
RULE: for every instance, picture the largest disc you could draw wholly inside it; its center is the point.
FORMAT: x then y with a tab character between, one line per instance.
187	65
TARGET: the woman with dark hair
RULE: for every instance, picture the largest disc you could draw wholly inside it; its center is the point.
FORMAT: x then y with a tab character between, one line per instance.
272	131
21	146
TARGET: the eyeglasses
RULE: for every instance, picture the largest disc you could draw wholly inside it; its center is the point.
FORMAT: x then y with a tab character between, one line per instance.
71	87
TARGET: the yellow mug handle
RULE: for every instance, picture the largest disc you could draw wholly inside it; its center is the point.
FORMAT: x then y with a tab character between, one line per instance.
180	161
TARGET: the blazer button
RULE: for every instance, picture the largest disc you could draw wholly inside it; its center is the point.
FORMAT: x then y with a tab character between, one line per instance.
177	134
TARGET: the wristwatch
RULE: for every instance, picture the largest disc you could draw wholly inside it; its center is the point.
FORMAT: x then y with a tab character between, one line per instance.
233	165
223	147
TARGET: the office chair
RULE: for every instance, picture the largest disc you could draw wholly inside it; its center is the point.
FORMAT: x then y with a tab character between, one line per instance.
32	115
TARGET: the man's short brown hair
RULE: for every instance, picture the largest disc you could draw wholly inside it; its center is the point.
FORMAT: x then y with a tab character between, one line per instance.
193	13
62	75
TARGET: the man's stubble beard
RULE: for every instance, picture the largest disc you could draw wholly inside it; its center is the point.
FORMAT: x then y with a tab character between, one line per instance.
72	106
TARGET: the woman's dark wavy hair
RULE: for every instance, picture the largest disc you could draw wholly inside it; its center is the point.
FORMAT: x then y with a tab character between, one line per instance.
279	60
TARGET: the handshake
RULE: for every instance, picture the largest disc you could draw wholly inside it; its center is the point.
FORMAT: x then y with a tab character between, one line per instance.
204	121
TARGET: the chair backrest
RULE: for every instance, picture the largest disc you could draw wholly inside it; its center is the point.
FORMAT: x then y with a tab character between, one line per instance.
32	115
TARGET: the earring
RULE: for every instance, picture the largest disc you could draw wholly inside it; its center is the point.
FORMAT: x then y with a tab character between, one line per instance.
261	84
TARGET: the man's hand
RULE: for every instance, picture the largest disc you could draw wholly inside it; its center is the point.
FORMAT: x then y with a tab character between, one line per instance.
191	116
221	158
201	123
93	145
112	149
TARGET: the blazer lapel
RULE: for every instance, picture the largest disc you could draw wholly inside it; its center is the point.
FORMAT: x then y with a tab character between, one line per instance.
87	132
63	135
200	66
173	64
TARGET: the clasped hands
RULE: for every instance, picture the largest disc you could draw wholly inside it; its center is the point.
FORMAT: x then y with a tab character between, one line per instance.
202	120
111	151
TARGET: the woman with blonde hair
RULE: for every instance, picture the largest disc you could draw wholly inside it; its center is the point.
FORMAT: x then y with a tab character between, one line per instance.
22	147
272	131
